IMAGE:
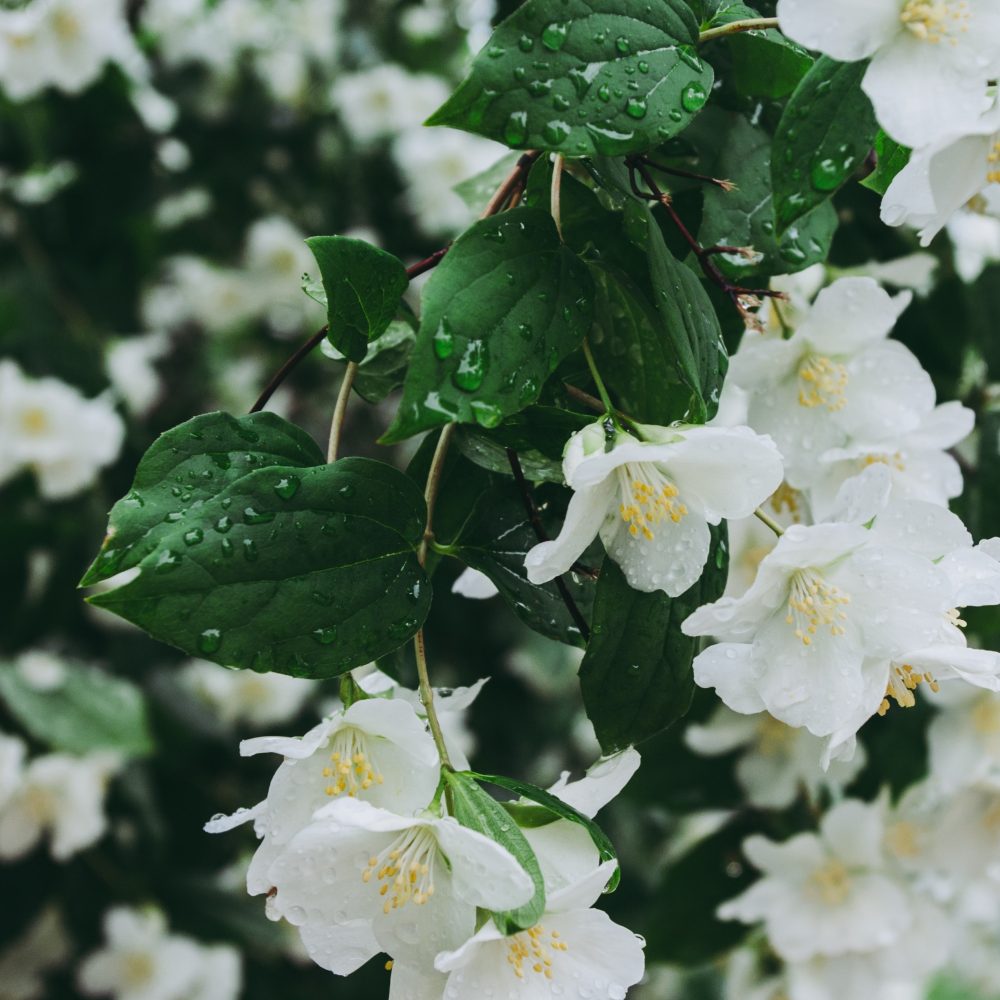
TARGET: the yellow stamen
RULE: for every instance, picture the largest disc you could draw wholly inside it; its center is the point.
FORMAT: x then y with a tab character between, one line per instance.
822	382
814	604
936	21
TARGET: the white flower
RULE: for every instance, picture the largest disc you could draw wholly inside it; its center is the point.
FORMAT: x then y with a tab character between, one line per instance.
572	947
819	637
836	378
825	893
245	696
141	961
653	500
778	761
963	740
43	947
944	176
41	670
60	795
975	235
474	584
13	752
359	880
385	100
930	59
920	467
432	162
131	366
49	427
377	750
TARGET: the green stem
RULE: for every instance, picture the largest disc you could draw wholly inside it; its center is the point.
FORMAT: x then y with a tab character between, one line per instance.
770	522
598	381
430	495
735	27
555	197
339	410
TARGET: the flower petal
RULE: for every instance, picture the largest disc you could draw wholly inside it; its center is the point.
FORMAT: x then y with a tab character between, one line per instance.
603	781
851	314
586	512
853	31
728	667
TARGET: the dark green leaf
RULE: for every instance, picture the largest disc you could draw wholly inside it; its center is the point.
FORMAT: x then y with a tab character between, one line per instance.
825	133
186	466
495	540
636	675
745	217
363	285
477	191
385	364
584	77
559	809
688	319
305	571
710	873
89	710
891	157
482	813
502	309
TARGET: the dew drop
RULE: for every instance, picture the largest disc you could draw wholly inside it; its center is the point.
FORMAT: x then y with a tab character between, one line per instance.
253	516
443	340
636	107
472	367
693	97
194	536
554	35
515	132
287	487
209	641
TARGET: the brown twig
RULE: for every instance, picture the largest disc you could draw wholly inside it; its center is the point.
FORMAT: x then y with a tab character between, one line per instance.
726	186
535	519
287	368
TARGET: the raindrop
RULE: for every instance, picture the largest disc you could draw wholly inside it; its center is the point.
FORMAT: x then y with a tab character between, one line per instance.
516	130
209	641
693	97
554	35
287	487
443	340
472	367
194	536
325	636
636	107
253	516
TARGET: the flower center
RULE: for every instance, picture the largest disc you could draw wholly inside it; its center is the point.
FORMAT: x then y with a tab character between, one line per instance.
788	498
822	383
986	716
903	839
352	768
993	163
137	970
894	461
34	420
66	25
936	20
405	869
832	883
813	604
648	497
532	947
773	737
903	682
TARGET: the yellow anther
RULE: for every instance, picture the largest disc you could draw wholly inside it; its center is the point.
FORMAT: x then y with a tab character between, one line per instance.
353	765
832	883
936	20
813	604
903	683
648	498
405	870
822	382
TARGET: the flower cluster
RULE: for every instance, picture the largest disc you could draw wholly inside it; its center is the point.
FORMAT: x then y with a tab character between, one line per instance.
360	854
855	607
931	80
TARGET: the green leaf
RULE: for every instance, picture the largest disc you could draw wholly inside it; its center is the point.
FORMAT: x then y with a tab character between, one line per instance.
688	319
363	286
560	810
186	466
502	309
481	812
891	157
584	77
304	571
477	191
89	710
825	133
385	363
745	217
636	675
497	536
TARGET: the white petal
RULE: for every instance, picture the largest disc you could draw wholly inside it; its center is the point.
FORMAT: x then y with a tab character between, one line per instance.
339	948
974	577
584	516
476	945
853	830
944	427
473	584
584	892
603	781
223	824
863	496
918	98
484	873
296	747
724	732
920	527
797	856
726	471
851	314
412	982
728	668
980	667
671	561
853	30
761	363
599	952
565	851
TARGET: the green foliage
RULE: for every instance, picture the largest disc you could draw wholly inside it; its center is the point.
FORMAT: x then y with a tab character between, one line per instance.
478	811
890	158
503	308
305	571
745	217
557	809
825	133
88	710
581	77
636	675
363	285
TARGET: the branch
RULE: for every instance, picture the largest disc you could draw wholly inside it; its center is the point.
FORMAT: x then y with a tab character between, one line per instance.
536	523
